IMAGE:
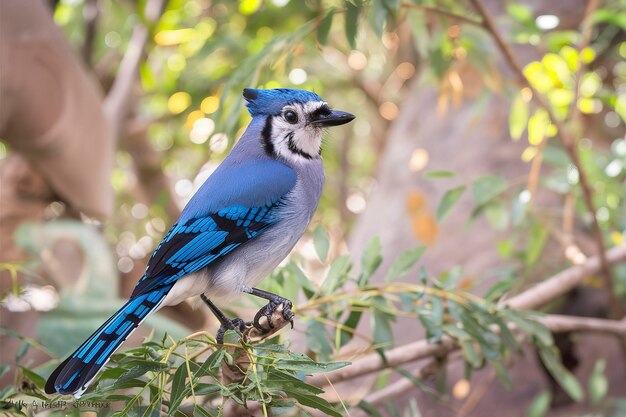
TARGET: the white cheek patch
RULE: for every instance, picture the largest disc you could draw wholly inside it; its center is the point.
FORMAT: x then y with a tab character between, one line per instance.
299	141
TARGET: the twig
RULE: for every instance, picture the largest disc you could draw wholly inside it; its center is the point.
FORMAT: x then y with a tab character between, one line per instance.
91	11
442	12
569	143
536	296
562	282
117	102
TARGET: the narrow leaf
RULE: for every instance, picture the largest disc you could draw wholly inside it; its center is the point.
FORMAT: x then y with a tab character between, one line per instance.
540	405
404	263
320	241
488	187
550	357
352	20
447	202
370	260
434	175
518	118
324	28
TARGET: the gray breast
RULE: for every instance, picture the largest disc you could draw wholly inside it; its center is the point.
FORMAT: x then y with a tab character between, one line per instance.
254	260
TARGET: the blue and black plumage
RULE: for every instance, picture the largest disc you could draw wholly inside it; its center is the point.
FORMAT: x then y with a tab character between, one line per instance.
241	224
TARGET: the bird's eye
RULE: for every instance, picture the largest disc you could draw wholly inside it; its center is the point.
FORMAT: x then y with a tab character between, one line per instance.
291	116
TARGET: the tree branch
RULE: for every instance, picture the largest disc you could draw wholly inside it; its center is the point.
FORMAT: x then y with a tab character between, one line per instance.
569	143
536	296
117	102
442	12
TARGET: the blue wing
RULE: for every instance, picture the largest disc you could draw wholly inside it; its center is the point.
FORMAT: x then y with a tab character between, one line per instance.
248	195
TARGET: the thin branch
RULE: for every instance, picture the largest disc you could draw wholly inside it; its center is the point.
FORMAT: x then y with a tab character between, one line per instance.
117	102
91	12
536	296
569	143
442	12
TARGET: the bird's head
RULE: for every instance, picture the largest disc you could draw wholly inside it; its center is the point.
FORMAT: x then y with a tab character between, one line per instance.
294	121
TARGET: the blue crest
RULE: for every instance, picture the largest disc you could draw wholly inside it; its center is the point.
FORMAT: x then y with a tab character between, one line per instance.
272	101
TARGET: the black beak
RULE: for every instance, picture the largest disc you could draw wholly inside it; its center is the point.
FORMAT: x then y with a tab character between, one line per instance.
334	118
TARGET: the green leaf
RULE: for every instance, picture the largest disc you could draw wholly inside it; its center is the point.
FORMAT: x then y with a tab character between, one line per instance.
179	389
369	408
352	21
404	263
377	16
337	274
540	405
470	354
502	373
317	339
320	241
198	410
530	326
21	351
309	366
550	358
497	215
4	369
324	28
488	187
598	384
36	378
370	260
536	242
448	201
518	118
520	13
314	402
383	336
434	175
351	322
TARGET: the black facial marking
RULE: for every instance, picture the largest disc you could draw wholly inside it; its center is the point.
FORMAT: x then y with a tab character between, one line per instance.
322	111
266	137
293	148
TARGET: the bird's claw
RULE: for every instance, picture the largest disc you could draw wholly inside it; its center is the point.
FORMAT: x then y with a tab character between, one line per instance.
233	324
268	311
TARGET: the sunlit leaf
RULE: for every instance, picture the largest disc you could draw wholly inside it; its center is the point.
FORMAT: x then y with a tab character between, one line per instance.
536	242
598	383
518	118
540	405
431	175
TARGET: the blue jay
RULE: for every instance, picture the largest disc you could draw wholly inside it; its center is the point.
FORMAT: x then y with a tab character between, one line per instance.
241	223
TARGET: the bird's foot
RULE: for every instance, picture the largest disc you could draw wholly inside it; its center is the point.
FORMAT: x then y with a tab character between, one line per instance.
264	320
231	324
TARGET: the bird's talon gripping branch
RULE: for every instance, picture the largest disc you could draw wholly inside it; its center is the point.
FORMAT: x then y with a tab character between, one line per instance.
234	324
277	305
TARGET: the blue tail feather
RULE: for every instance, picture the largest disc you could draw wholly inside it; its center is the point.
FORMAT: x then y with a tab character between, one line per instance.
74	374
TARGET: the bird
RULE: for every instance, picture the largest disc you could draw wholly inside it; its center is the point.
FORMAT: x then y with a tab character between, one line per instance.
240	224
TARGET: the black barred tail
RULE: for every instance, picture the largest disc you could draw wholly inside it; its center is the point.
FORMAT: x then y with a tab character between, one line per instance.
74	374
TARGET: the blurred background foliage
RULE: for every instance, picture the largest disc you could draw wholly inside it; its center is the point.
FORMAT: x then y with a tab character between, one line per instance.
565	102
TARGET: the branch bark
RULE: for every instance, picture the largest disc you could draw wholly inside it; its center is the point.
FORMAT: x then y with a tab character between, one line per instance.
117	102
